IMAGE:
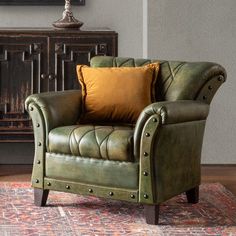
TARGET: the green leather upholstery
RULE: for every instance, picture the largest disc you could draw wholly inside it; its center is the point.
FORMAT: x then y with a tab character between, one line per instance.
155	160
177	152
56	108
92	171
99	142
176	80
170	113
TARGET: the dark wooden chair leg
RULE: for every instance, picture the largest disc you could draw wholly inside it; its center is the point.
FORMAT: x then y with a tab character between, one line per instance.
40	196
151	214
193	195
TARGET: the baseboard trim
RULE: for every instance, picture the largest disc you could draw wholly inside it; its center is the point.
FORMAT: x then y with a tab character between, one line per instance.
218	165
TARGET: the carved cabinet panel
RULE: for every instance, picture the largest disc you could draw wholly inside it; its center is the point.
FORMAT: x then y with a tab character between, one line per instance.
20	67
41	60
66	53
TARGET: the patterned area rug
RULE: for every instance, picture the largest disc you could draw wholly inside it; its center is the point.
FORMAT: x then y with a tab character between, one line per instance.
72	215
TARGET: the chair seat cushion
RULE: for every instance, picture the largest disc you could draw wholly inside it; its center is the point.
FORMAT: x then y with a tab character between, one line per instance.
100	142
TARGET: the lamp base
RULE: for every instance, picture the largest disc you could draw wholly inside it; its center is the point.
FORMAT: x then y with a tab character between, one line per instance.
67	22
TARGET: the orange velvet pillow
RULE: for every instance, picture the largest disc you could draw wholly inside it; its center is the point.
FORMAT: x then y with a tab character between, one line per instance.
116	94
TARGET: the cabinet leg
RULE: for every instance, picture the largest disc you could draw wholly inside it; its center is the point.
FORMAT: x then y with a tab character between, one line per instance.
193	195
40	196
152	214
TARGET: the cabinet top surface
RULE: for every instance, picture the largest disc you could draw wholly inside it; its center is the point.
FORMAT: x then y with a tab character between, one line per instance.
50	30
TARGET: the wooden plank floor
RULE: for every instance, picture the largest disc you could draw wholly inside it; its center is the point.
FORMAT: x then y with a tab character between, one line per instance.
224	174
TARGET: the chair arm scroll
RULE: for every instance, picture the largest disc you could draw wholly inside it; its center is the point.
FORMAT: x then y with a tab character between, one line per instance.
58	108
170	112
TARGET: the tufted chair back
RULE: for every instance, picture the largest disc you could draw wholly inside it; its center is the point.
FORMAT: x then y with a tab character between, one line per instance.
176	80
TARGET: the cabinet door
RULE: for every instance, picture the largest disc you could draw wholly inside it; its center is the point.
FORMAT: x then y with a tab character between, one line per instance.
21	73
67	52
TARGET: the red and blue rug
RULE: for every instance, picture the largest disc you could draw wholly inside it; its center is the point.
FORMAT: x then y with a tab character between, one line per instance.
74	215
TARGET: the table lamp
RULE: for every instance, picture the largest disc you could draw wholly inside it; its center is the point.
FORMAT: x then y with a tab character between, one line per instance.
67	20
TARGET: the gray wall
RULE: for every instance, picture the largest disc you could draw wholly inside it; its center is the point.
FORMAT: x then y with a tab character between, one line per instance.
115	14
202	30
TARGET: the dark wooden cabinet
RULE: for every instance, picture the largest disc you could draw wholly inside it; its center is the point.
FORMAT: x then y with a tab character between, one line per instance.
41	60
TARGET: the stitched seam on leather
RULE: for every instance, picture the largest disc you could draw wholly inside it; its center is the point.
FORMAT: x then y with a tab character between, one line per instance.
172	75
83	136
101	141
124	62
76	143
95	135
104	138
168	78
144	63
107	142
72	133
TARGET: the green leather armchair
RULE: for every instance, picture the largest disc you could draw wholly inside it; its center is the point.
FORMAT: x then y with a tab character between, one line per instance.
149	163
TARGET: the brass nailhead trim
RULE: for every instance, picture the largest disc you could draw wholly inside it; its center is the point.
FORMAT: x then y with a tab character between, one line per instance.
48	184
220	79
38	125
67	186
154	120
39	144
36	181
145	154
111	193
147	134
210	87
145	196
145	173
31	108
90	190
132	196
38	162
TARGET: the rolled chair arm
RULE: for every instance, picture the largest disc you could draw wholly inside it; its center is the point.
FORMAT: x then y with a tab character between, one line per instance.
58	108
50	110
170	112
167	144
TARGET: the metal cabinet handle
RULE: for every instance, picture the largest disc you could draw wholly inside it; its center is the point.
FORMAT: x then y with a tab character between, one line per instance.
50	77
43	76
